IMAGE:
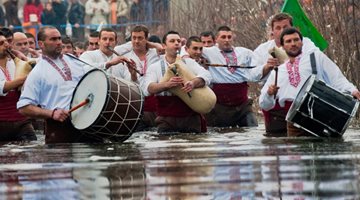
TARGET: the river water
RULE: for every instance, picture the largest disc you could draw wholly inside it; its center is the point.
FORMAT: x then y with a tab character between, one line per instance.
221	164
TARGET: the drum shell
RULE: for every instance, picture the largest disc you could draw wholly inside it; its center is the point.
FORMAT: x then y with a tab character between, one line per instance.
120	112
321	109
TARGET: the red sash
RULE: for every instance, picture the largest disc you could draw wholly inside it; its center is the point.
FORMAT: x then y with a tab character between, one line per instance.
231	94
150	104
173	106
277	107
8	110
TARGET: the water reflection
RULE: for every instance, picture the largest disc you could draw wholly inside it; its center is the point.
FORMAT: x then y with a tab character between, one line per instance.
221	164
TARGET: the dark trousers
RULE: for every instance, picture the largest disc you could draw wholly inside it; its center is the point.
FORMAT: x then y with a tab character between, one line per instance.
277	125
147	121
78	34
65	132
17	131
224	116
191	124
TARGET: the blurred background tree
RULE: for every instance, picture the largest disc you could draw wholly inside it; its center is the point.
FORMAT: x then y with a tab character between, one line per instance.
337	20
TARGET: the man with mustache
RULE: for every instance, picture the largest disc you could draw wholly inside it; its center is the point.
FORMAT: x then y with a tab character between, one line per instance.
275	124
295	71
49	88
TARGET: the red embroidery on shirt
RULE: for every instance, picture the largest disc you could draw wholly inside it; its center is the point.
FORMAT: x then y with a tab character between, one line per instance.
144	67
293	71
67	74
6	73
228	62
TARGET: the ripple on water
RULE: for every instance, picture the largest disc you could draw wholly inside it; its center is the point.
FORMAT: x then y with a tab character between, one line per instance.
221	164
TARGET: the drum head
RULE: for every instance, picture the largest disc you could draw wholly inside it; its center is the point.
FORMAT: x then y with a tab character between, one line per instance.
95	85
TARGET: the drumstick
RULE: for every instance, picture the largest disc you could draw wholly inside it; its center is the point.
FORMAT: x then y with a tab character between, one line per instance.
81	104
235	66
276	76
276	72
116	53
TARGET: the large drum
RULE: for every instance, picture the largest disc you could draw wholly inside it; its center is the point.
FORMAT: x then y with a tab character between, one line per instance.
322	110
114	107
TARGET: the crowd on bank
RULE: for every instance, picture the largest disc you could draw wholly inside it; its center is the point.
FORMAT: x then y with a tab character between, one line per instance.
74	14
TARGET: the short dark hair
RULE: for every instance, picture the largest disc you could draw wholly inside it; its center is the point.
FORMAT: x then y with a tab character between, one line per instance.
108	30
7	32
168	33
67	40
80	45
41	34
29	35
280	17
289	31
2	33
192	39
207	34
223	28
37	2
154	38
94	34
141	28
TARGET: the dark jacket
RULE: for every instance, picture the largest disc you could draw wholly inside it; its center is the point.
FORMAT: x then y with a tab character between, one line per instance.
137	13
2	16
60	10
76	14
48	18
11	10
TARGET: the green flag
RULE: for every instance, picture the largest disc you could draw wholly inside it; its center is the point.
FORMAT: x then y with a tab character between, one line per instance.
302	22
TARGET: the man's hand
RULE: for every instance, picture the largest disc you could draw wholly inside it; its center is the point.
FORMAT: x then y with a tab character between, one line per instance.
188	86
174	82
131	65
356	94
60	115
19	54
272	62
270	65
34	53
272	90
159	47
116	60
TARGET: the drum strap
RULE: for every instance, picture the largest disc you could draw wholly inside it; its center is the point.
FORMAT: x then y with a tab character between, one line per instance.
162	74
78	59
313	63
163	66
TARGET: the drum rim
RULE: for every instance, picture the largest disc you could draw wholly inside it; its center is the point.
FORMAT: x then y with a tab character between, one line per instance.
353	113
105	103
310	79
